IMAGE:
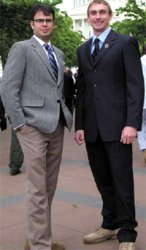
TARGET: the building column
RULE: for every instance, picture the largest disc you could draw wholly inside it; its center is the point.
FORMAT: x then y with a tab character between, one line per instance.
74	26
83	26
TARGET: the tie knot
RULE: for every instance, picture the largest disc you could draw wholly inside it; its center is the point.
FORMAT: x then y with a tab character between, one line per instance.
96	42
48	48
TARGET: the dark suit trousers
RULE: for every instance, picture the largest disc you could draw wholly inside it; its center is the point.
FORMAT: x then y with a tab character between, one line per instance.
111	165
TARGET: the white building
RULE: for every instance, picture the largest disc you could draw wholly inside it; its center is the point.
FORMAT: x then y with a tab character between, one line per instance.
79	15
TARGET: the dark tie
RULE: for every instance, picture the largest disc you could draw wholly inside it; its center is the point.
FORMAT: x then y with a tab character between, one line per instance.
96	49
52	60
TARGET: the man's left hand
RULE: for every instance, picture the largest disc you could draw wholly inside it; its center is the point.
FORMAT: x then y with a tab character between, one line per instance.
128	135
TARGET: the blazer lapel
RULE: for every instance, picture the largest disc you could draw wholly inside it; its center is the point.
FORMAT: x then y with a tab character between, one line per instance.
60	65
108	43
41	53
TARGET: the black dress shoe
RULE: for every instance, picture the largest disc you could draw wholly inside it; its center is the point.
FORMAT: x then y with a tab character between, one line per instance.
15	171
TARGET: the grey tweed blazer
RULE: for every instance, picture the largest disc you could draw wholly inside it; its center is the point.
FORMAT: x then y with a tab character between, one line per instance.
29	90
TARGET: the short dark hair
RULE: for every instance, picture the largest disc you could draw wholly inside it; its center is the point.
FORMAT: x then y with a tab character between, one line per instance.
45	8
99	2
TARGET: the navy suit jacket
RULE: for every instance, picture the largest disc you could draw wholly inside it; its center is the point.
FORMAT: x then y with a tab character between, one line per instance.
111	90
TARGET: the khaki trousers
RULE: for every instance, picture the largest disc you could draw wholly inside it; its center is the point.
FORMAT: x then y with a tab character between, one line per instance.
42	157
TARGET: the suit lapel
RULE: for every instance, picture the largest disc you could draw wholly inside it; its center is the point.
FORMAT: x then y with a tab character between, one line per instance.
88	51
107	45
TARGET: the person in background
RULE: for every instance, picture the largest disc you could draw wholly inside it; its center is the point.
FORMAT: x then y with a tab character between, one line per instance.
69	89
142	133
109	105
3	120
75	77
32	93
16	154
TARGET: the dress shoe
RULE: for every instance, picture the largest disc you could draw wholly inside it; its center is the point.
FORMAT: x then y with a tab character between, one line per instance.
55	246
100	235
15	171
144	154
127	246
26	247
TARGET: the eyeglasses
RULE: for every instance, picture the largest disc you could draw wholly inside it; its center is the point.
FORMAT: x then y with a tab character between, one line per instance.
43	20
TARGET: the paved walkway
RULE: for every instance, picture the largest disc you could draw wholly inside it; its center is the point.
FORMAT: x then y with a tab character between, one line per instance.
76	206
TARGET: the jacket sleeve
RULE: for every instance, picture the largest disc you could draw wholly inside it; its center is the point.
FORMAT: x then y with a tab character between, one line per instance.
134	83
80	86
12	82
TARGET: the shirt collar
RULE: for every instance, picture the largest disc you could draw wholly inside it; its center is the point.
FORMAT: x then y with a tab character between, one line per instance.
102	36
40	41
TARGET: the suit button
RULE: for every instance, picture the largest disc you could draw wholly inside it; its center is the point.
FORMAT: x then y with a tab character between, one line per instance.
94	85
58	101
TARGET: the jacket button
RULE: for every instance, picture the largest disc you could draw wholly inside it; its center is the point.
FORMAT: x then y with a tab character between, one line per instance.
95	85
58	101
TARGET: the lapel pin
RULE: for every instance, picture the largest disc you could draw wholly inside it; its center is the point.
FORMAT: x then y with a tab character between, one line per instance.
106	46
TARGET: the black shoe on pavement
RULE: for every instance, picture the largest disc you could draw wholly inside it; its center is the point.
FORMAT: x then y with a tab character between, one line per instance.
14	171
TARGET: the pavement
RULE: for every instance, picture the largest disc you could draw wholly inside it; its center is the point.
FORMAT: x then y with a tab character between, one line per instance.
76	205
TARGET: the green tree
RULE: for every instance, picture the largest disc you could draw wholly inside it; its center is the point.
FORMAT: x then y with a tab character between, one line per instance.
15	26
65	38
134	22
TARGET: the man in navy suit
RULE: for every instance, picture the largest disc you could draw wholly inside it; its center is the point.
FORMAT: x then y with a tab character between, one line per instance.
108	114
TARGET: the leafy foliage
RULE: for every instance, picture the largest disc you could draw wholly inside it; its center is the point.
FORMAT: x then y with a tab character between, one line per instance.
134	22
15	26
66	38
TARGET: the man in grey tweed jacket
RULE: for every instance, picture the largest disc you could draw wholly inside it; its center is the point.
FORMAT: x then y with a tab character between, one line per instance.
33	100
